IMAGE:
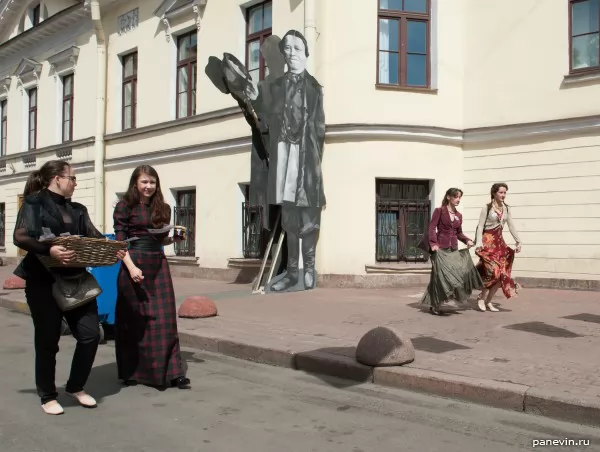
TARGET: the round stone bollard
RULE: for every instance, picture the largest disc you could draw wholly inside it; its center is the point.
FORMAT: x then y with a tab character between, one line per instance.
197	307
14	282
385	346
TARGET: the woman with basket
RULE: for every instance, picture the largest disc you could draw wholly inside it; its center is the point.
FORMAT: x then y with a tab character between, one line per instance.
47	208
147	341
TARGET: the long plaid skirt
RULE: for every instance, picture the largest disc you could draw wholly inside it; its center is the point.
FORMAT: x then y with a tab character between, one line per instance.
146	339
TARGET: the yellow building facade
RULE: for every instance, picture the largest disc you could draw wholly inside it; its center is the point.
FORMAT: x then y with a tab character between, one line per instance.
420	96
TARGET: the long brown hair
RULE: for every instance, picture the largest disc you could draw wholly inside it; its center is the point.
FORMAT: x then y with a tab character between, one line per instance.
40	179
161	211
452	192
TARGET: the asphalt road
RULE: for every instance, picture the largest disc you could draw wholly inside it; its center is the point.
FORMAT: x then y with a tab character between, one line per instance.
239	406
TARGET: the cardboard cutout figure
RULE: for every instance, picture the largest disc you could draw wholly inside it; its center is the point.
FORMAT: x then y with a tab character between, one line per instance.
285	112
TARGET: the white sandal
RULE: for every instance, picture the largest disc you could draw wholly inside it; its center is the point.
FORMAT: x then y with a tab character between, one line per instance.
84	399
53	407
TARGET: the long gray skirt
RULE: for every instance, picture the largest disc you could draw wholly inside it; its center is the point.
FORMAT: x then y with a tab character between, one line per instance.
453	276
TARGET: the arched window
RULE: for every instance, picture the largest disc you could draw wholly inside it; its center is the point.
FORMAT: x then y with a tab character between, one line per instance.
35	13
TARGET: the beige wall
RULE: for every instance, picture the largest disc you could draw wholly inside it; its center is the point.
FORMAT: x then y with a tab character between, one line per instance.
347	239
517	55
347	65
50	93
554	189
489	67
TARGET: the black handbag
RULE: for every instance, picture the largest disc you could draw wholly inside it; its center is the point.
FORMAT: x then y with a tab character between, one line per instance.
71	292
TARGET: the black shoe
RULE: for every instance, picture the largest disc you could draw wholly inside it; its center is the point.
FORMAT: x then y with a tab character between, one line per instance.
284	284
130	382
309	279
435	311
181	383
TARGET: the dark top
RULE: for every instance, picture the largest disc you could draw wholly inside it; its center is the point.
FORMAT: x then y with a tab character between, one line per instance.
49	210
293	114
444	232
134	222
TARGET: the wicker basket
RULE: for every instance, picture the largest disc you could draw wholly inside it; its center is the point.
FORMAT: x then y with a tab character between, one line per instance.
89	252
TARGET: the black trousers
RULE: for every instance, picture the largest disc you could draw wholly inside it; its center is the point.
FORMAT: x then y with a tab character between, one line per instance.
300	223
47	320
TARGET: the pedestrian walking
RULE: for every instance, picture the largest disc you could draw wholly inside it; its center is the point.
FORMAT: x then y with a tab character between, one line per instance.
146	339
47	206
495	256
453	275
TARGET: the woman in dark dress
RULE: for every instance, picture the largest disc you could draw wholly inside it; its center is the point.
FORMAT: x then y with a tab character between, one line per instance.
146	340
453	274
47	205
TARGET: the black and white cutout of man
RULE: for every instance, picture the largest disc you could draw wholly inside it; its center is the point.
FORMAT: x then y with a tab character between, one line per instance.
297	135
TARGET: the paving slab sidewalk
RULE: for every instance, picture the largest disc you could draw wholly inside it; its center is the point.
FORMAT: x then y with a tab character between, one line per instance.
539	354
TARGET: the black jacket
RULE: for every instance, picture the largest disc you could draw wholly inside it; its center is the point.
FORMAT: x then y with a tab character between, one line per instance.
42	210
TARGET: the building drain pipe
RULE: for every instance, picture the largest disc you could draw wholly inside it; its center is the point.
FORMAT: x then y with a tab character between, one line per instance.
310	33
99	148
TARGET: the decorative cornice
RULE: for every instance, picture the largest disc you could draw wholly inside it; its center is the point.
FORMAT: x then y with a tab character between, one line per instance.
57	148
65	61
28	71
220	147
197	119
169	9
533	130
36	35
5	86
438	135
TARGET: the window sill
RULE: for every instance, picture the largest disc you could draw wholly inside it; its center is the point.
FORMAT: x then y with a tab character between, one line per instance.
409	89
581	78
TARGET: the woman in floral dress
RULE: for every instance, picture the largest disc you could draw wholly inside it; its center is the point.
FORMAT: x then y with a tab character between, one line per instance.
147	341
495	257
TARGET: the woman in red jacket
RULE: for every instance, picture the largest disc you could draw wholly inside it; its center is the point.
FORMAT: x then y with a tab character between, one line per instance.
453	274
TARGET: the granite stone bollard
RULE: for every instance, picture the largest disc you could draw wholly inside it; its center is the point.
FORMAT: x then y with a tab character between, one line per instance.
197	307
13	283
385	346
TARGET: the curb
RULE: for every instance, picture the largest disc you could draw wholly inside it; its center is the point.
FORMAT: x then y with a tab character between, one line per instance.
497	394
504	395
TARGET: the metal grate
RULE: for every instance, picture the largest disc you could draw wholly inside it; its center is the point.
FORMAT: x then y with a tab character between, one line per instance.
252	231
186	216
402	218
2	225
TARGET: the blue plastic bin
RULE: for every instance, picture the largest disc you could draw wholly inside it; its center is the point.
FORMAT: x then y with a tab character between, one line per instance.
107	279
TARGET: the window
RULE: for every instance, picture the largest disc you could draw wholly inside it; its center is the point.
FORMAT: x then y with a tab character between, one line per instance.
3	126
402	208
32	118
584	34
2	225
129	91
67	108
185	215
187	53
36	15
403	43
259	20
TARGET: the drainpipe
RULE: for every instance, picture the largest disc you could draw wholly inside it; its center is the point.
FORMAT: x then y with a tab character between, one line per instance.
99	149
310	33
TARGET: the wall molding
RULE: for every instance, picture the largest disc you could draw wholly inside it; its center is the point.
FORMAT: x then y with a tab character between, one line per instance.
222	147
197	119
